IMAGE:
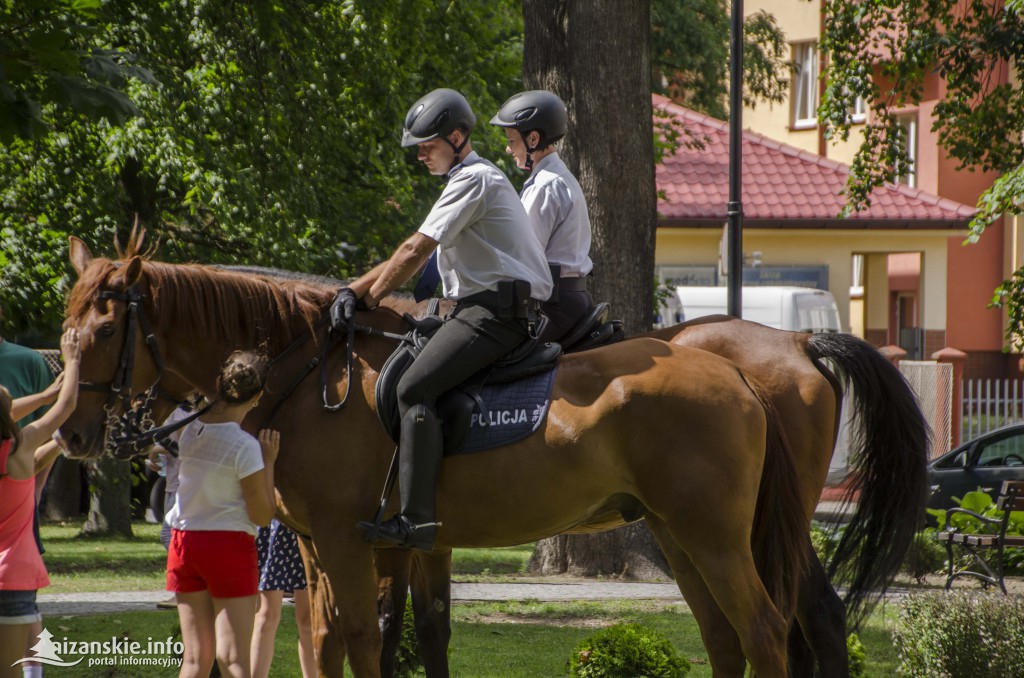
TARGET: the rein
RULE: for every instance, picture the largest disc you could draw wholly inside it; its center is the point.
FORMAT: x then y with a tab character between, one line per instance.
133	431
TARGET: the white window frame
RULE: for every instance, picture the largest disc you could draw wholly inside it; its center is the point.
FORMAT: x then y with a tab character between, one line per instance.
859	111
909	125
805	85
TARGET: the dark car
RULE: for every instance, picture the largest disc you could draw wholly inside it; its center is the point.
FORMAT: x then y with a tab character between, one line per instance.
984	462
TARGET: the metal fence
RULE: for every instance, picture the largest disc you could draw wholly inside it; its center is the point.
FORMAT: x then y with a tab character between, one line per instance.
932	383
989	404
52	357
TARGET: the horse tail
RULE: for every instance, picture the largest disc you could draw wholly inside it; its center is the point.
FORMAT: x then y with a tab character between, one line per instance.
779	533
889	451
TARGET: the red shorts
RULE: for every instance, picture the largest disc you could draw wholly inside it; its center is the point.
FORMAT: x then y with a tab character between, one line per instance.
222	562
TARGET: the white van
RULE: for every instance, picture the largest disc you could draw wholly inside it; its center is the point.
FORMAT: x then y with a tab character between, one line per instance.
801	309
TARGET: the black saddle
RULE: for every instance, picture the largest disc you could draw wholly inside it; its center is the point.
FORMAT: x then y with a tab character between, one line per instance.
455	408
593	330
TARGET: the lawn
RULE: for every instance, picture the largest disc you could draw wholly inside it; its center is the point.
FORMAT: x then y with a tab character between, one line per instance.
528	638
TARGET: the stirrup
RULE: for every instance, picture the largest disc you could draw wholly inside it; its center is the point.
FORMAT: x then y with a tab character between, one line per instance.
401	532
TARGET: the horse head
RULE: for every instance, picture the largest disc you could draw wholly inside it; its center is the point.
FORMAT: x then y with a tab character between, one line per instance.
110	305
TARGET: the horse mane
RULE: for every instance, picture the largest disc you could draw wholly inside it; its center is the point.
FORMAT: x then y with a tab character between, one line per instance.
198	300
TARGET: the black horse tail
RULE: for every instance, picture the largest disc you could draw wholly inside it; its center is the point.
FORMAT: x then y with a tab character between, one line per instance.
888	457
779	533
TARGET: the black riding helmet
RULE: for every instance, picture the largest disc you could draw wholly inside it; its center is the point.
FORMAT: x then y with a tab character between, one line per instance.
438	114
536	110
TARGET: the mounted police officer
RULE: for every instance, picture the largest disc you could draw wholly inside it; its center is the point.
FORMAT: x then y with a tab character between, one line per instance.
491	265
533	122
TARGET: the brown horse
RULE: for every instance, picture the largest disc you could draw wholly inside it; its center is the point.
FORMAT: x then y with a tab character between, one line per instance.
642	429
889	461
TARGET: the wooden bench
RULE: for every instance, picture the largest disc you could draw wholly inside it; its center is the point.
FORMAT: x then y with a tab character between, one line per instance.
1011	499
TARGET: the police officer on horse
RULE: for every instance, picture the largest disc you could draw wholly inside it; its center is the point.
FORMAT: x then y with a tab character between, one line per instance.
494	269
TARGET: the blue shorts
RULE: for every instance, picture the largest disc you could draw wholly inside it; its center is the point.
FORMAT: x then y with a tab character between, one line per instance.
18	607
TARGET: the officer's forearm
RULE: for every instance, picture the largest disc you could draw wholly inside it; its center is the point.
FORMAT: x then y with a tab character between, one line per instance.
364	282
402	266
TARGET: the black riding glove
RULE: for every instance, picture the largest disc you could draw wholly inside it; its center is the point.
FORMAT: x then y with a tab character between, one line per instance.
343	310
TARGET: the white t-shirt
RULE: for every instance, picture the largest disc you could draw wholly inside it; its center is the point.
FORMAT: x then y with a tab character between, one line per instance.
484	234
214	458
558	212
171	461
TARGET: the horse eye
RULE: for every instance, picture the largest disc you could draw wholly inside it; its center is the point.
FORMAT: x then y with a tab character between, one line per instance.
107	330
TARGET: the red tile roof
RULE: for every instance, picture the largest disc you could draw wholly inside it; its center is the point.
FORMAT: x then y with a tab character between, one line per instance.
783	186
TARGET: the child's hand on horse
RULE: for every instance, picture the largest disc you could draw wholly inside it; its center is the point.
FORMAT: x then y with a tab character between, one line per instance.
270	443
69	346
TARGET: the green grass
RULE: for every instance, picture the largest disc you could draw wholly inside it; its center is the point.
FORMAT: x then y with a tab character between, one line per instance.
527	638
496	561
489	640
80	564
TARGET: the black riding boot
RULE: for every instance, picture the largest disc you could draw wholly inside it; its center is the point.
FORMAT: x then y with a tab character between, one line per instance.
419	460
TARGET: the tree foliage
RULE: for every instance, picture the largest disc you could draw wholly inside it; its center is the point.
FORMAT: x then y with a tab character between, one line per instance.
47	57
690	55
892	54
268	136
264	133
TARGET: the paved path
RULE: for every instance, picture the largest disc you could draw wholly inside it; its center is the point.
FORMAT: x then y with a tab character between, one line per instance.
53	604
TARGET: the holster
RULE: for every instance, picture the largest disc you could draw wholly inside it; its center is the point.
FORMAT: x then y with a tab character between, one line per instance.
513	299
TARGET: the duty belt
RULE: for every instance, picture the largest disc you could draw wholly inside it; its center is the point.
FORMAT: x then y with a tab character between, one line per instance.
577	284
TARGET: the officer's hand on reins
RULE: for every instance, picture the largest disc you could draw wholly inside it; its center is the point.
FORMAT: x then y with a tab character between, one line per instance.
343	310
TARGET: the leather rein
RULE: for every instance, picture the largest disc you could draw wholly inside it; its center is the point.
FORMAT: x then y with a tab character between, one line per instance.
134	431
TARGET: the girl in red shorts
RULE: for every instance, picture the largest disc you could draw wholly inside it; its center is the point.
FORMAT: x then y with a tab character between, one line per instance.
225	490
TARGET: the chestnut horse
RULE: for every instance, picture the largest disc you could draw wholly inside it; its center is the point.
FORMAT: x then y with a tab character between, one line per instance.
642	429
888	460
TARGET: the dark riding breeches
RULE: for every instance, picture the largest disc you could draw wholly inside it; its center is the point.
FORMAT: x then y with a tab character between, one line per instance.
471	338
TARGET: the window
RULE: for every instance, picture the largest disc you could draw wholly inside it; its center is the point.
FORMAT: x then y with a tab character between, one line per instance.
805	85
1006	452
905	173
859	110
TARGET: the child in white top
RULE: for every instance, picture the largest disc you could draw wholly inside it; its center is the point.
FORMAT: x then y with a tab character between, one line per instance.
225	489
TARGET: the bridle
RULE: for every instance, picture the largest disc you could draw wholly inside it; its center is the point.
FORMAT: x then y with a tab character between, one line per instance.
133	431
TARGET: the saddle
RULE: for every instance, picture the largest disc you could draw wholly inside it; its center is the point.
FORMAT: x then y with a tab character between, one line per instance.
520	384
593	330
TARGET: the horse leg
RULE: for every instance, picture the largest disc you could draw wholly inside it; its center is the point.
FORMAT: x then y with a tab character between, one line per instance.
347	562
327	644
393	566
431	604
720	639
719	545
822	617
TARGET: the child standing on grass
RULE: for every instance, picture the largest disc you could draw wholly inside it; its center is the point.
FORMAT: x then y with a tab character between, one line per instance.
225	489
281	570
24	453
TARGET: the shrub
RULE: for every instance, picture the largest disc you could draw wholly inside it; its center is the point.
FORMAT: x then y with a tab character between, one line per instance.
953	634
824	542
627	651
925	555
408	661
857	658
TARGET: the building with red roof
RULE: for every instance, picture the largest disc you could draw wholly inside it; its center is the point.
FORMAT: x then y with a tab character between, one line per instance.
887	266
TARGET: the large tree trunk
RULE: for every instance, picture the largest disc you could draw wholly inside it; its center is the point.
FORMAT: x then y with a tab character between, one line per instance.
110	505
596	56
64	490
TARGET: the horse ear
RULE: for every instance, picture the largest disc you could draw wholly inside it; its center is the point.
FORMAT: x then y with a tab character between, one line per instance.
80	255
126	276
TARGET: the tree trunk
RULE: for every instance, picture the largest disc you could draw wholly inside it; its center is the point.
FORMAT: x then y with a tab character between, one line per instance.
110	506
64	490
596	56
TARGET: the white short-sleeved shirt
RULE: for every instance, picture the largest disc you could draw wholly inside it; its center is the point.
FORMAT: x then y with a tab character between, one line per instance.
558	213
170	461
483	234
213	460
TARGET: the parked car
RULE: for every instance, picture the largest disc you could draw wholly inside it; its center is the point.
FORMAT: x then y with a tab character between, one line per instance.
984	462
